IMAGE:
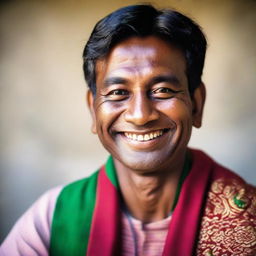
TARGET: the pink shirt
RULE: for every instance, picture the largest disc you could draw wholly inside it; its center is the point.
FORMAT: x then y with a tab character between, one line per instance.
150	237
30	236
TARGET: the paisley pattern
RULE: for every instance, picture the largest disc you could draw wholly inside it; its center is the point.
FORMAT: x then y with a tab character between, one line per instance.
229	223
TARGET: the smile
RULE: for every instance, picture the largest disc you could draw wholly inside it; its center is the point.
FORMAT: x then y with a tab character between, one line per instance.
144	136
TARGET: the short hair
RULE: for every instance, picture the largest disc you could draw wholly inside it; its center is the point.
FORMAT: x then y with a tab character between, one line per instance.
142	21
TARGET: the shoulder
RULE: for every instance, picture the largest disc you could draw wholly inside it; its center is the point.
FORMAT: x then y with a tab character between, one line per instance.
229	221
31	233
76	191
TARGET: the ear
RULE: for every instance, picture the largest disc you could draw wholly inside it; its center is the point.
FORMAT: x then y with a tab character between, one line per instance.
90	103
198	100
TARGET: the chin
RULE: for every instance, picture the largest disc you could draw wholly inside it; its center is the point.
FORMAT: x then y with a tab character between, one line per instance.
145	162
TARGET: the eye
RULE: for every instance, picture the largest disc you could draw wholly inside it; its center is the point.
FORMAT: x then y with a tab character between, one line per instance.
163	93
118	94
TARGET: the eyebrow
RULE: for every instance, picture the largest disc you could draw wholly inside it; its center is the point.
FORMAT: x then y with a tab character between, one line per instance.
114	80
172	79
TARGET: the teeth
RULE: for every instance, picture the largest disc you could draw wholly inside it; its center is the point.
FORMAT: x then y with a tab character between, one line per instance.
145	137
140	138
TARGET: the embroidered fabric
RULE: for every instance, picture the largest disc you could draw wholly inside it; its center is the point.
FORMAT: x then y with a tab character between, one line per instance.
229	224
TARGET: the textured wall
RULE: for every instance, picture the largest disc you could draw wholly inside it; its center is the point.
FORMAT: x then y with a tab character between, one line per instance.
45	126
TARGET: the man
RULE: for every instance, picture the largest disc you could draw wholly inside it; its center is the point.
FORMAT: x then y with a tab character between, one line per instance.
154	196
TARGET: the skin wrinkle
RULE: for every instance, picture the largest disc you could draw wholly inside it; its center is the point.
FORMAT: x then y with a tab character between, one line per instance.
148	171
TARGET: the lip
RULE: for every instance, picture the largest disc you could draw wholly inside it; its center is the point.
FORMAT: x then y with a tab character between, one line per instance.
145	144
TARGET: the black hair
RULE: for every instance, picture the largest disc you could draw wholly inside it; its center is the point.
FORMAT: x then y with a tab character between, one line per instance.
141	21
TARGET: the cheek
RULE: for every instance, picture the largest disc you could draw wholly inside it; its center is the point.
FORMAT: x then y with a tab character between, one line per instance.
178	110
106	114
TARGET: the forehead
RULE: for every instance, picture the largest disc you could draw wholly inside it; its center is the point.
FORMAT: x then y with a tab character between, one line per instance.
141	53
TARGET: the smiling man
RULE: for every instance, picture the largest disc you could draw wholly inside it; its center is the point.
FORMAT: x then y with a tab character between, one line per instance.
154	196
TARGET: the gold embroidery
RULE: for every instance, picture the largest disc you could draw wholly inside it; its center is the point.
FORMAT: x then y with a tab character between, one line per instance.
229	223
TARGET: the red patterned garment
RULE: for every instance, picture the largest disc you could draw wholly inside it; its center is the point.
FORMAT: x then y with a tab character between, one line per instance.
215	214
229	223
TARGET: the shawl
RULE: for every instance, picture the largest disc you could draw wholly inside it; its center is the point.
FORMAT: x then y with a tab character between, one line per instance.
214	214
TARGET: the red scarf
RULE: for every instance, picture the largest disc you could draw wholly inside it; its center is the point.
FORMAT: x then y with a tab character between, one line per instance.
96	230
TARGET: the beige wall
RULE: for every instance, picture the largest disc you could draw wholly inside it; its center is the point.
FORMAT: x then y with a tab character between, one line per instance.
45	126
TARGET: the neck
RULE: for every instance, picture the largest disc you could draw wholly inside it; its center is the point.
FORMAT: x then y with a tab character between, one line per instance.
148	197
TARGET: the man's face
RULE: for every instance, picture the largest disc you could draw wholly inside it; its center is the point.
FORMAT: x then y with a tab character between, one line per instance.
142	110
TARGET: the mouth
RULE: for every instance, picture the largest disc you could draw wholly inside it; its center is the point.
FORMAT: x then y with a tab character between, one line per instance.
146	136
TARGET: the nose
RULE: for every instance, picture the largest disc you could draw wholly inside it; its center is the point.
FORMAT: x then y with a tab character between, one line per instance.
141	110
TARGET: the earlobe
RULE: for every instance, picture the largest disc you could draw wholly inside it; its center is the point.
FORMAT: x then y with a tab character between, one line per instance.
90	103
198	105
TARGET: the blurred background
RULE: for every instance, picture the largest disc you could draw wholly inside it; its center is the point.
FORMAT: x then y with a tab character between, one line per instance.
45	125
